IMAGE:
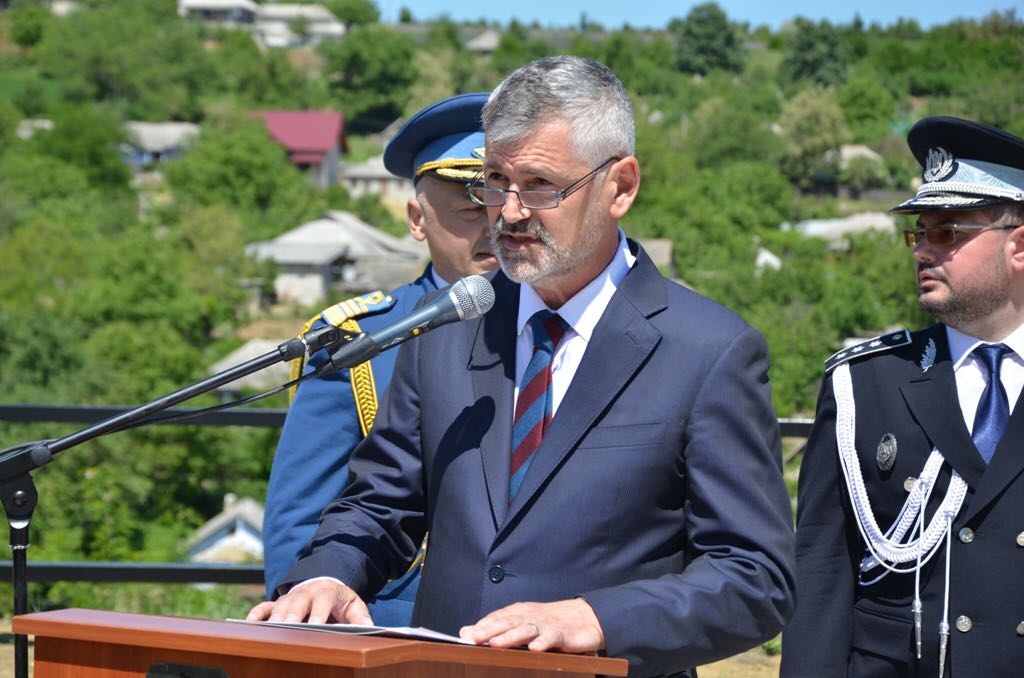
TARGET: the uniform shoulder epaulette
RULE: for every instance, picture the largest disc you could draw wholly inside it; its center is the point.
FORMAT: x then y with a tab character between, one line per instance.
344	314
885	342
372	302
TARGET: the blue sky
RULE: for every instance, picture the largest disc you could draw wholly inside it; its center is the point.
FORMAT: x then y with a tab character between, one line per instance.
656	13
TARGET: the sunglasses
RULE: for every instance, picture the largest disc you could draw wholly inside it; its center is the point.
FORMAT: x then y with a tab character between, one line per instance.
947	234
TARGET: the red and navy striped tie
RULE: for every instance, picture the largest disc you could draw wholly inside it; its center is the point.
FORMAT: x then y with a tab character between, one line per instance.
533	407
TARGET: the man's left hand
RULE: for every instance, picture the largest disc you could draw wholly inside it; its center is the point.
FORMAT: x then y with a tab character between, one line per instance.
567	625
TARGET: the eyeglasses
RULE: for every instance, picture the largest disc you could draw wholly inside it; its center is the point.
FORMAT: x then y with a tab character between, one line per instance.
947	234
531	200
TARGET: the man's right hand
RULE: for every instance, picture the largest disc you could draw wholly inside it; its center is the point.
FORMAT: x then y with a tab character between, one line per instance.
319	600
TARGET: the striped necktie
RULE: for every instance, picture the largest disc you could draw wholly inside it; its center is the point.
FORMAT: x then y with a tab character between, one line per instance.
994	407
533	406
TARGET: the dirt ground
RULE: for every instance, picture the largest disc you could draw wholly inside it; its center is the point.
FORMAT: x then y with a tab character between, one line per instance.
752	664
7	650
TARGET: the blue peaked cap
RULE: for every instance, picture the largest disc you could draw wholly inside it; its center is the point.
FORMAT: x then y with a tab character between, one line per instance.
446	138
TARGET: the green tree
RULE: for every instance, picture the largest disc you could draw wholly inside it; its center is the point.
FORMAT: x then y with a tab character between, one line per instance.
868	108
354	12
136	54
28	23
32	97
516	48
369	74
236	163
10	116
725	130
706	40
812	126
88	137
814	55
405	15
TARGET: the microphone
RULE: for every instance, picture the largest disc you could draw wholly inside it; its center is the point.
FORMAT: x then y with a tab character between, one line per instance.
467	299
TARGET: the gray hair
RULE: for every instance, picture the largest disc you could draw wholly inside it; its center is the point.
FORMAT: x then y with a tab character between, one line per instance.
568	89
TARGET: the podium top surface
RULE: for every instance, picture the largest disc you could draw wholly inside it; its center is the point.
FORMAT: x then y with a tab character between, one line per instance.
296	645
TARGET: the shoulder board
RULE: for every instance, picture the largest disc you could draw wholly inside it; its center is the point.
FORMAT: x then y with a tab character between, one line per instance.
342	313
885	342
356	307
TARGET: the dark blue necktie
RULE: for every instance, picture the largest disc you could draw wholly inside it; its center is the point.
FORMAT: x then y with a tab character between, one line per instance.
994	408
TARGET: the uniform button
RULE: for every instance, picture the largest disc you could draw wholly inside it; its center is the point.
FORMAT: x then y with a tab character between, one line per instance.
963	623
908	484
966	535
496	574
1020	539
1020	629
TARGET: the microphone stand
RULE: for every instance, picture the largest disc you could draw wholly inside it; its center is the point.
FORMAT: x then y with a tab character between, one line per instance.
18	491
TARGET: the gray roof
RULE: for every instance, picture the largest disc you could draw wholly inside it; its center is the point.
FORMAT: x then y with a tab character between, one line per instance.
369	169
835	230
337	235
249	510
214	5
265	379
159	137
485	42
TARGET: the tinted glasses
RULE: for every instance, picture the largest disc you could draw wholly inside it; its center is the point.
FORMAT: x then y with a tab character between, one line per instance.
947	234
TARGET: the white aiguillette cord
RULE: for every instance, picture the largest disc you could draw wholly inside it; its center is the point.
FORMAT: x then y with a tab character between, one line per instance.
888	549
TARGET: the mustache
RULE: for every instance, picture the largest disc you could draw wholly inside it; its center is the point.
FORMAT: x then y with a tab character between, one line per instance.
932	272
531	227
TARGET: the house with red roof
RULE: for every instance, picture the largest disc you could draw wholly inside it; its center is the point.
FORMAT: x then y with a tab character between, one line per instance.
314	141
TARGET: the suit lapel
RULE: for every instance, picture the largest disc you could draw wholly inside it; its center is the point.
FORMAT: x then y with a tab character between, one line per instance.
1006	464
932	398
492	364
621	343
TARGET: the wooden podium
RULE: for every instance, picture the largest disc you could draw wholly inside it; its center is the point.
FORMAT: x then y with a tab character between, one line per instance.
93	643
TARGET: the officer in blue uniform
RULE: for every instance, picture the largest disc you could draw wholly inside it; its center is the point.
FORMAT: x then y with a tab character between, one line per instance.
440	149
929	418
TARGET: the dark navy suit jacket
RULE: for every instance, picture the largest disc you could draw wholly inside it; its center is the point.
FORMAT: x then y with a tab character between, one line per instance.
842	629
311	465
656	494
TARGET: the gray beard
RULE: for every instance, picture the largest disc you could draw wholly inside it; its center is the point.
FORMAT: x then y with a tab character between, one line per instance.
554	260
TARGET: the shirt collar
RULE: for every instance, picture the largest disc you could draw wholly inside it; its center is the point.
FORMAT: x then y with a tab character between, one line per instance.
584	309
438	280
961	345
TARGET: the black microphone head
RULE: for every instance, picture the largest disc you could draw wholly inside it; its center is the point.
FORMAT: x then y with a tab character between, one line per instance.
473	296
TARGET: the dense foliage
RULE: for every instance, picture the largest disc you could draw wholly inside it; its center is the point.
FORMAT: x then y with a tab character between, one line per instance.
117	291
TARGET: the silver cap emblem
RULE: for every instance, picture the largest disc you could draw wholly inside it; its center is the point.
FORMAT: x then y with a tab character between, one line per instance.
939	165
886	455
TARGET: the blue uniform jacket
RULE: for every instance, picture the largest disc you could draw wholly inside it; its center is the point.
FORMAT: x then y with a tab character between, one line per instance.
311	465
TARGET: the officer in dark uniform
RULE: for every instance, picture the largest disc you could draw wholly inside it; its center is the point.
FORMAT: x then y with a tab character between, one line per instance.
927	418
440	149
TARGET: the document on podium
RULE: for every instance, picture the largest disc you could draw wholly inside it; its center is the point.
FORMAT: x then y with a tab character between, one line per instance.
410	632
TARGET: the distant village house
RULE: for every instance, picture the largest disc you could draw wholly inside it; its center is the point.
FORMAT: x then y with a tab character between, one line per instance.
314	141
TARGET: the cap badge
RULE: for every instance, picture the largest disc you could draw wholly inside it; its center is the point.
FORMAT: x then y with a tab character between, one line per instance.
939	165
886	455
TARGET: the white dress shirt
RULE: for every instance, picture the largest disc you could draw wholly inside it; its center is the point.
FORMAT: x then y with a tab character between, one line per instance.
582	312
971	376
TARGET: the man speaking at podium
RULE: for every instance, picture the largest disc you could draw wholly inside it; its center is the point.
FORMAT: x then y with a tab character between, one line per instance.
596	459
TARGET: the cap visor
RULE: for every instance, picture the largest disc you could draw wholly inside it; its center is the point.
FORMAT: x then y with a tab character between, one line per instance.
945	201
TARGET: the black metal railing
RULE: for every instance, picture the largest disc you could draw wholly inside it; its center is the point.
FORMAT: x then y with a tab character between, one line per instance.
185	573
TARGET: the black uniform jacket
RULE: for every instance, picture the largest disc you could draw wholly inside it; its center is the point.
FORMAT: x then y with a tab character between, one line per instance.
845	629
